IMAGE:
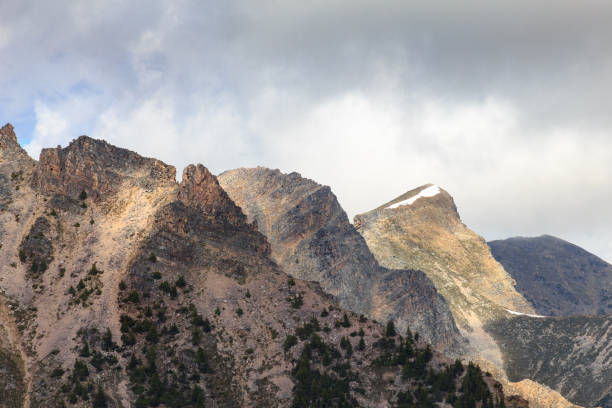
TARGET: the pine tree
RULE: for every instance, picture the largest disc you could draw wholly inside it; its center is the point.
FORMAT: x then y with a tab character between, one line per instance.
85	350
100	399
390	332
345	321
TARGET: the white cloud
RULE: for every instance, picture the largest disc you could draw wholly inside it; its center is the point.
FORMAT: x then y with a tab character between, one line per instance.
49	131
5	35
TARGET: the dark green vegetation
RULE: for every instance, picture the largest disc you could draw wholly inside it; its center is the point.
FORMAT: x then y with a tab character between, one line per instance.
160	374
321	387
97	353
558	278
36	249
569	354
169	346
11	380
87	286
328	376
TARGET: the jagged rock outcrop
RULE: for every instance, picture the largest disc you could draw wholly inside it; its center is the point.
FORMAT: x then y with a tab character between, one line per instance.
555	276
15	166
155	293
200	189
52	236
312	239
97	168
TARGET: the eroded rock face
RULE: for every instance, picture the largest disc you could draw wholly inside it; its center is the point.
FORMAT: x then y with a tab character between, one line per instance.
312	239
557	277
201	190
538	395
7	136
15	166
95	167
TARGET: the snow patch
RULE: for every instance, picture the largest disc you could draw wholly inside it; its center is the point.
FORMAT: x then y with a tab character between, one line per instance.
427	192
522	314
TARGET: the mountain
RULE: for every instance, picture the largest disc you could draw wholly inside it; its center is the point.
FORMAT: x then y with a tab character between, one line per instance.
422	229
120	287
312	239
555	276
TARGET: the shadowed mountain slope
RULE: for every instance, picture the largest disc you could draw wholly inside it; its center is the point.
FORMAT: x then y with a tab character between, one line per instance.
572	355
555	276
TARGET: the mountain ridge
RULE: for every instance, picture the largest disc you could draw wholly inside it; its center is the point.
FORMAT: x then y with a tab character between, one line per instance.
305	226
121	287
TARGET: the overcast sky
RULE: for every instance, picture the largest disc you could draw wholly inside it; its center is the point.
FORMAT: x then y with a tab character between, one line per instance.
505	104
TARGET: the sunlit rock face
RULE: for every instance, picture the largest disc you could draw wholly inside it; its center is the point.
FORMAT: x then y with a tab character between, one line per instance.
422	230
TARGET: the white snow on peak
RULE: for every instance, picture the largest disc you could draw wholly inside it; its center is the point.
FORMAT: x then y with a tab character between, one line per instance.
522	314
426	192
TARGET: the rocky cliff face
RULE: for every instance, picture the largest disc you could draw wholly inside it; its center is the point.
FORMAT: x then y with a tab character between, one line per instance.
120	287
312	239
555	276
97	168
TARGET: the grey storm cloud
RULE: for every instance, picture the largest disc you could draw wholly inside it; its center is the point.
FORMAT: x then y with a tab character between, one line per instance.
504	104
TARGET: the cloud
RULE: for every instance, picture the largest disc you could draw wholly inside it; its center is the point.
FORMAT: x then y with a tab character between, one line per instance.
50	128
505	104
5	36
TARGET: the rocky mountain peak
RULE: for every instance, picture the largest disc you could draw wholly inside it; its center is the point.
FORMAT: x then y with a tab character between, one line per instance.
422	230
200	189
96	167
426	233
7	132
14	162
10	149
146	292
427	202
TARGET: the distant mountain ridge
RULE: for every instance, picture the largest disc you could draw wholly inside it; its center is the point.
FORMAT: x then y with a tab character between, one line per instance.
557	277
